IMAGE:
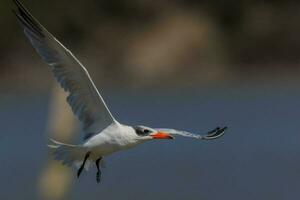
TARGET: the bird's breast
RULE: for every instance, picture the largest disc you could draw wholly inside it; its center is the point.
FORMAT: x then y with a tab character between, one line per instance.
109	142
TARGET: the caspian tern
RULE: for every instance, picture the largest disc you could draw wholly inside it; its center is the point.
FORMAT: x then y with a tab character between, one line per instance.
103	134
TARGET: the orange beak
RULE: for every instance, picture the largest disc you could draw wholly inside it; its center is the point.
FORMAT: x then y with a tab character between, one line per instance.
161	135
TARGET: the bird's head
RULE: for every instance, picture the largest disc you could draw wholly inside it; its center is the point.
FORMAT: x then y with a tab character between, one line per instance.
146	133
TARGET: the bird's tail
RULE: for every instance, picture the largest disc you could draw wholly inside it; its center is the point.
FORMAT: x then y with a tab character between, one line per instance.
68	154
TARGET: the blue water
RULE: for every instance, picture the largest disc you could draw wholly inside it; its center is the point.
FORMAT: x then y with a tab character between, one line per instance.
258	158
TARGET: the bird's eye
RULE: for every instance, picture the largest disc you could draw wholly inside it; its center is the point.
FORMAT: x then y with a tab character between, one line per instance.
146	131
141	131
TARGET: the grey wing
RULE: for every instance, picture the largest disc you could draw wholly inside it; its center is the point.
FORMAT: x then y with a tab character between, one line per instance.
84	98
213	134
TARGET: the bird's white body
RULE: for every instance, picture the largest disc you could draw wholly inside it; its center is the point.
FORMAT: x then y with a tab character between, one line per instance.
114	138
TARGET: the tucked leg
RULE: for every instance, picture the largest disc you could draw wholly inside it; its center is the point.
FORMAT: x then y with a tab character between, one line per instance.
98	175
83	163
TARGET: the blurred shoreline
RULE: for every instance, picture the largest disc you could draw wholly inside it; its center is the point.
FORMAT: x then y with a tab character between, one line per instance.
155	44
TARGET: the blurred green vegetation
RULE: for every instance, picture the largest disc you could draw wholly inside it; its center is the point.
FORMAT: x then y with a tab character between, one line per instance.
136	41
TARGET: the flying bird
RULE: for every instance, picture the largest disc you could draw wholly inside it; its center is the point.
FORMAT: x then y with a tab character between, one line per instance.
103	134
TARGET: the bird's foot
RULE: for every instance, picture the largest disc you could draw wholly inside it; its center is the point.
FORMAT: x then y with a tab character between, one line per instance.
98	177
79	171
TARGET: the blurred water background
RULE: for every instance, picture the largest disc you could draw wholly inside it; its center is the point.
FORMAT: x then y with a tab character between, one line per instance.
189	65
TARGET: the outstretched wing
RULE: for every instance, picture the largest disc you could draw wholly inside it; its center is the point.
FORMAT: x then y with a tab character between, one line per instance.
213	134
84	98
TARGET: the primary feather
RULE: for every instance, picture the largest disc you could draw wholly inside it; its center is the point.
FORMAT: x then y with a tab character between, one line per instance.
84	98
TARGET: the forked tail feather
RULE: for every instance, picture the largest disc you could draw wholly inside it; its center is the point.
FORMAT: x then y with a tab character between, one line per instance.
69	154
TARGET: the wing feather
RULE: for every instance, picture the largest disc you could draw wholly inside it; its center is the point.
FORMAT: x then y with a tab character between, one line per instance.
84	98
213	134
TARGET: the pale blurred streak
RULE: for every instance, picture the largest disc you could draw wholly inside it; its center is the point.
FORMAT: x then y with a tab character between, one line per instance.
55	181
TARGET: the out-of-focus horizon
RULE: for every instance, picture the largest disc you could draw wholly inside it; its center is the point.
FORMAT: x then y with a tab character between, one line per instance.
175	43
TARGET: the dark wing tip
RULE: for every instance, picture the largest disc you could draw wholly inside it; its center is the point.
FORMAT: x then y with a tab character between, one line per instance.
216	133
214	130
27	20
